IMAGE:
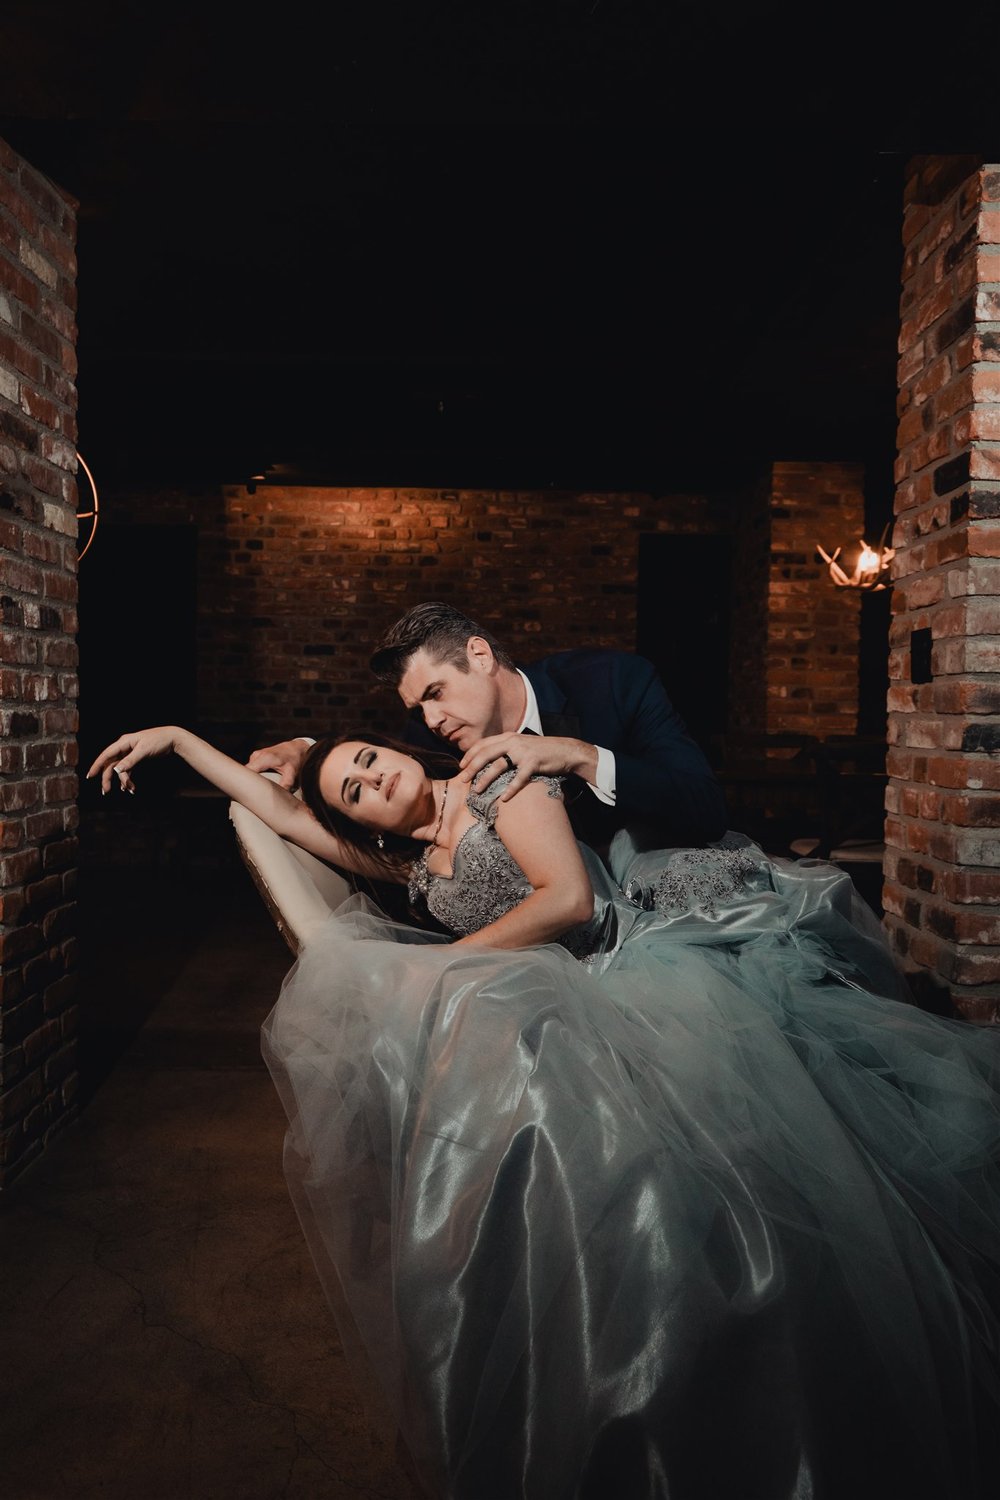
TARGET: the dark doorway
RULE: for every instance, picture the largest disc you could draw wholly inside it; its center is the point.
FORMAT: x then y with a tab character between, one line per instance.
137	632
683	625
873	661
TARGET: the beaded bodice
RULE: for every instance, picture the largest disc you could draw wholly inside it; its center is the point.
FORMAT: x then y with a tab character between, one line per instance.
487	881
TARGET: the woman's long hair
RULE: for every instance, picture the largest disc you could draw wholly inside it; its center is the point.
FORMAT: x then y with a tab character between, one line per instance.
399	850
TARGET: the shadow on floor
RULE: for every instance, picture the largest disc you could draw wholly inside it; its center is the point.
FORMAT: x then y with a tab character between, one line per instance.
164	1330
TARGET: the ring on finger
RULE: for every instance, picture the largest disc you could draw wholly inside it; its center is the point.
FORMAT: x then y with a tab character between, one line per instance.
510	764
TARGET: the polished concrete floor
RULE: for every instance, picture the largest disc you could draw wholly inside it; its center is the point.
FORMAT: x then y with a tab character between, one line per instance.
164	1334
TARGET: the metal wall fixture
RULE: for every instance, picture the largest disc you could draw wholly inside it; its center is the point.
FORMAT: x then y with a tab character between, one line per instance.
89	515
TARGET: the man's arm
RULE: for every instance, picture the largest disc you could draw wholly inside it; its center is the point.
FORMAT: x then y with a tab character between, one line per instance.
662	775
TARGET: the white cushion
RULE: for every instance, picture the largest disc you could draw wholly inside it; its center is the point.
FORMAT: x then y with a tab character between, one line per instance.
299	890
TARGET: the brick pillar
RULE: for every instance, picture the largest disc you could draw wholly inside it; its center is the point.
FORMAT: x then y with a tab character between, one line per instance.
38	684
795	656
942	894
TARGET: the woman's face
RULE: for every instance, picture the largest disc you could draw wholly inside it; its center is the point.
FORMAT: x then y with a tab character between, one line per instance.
379	788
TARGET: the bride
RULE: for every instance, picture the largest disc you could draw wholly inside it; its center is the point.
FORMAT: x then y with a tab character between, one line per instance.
649	1182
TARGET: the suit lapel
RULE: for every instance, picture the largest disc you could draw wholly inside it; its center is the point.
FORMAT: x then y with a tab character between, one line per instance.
564	724
551	702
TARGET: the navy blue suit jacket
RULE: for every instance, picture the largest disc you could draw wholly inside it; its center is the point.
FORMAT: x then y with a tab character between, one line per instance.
614	699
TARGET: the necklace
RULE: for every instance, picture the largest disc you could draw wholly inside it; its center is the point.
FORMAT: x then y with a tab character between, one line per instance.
444	803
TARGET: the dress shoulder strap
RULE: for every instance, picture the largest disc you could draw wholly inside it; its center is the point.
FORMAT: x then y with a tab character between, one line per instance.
485	805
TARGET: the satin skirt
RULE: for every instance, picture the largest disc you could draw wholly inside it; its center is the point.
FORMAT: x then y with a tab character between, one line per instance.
715	1217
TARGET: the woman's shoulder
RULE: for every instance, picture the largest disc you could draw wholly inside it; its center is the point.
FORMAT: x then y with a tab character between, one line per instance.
485	804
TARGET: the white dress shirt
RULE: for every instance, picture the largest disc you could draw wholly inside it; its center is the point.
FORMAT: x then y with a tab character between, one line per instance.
604	787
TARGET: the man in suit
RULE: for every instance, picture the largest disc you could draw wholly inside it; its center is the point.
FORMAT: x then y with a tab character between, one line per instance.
601	718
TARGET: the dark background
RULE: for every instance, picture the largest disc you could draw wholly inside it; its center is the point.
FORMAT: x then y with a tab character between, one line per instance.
590	245
579	244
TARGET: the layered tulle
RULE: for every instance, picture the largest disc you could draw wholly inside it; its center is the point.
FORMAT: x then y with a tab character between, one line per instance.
711	1217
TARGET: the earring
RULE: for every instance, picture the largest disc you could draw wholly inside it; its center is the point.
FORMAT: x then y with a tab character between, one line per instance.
380	841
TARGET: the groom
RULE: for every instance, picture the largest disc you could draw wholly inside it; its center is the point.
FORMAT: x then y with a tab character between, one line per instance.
600	717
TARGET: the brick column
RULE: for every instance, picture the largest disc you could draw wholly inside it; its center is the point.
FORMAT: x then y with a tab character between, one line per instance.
942	894
38	684
795	651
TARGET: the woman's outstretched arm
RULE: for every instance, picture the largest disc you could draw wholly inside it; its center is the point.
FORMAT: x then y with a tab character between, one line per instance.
537	832
278	808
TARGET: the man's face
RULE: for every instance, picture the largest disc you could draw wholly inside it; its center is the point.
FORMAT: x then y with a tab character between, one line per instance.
459	706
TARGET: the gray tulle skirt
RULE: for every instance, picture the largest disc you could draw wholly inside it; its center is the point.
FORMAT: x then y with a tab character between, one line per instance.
715	1216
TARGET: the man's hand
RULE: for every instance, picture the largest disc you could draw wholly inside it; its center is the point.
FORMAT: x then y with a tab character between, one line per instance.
531	755
286	758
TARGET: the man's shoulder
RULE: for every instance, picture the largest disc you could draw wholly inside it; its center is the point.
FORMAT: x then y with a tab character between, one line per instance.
562	665
593	682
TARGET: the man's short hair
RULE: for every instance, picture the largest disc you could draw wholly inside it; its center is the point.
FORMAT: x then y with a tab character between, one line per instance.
439	629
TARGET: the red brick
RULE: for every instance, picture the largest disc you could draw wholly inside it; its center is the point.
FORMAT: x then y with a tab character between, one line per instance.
17	795
975	772
960	696
60	788
971	966
980	1006
17	869
970	811
964	885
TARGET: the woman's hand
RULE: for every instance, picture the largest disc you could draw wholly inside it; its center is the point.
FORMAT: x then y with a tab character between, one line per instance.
126	753
273	804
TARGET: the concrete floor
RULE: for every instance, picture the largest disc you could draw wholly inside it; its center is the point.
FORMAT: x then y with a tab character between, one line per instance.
164	1333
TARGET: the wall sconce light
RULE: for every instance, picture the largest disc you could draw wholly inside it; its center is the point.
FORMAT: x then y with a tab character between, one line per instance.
871	571
89	515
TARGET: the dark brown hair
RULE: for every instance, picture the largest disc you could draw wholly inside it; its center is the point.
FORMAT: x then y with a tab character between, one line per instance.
399	850
441	630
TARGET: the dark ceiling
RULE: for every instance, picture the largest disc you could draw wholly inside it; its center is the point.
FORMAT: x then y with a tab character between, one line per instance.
590	244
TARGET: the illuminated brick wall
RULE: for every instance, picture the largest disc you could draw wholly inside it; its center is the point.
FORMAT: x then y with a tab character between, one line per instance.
942	892
795	664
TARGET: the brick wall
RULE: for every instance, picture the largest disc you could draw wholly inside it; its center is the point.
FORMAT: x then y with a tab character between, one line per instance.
813	627
795	661
296	584
38	684
942	893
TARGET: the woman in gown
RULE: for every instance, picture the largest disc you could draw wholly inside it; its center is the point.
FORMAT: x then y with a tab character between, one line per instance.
651	1182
